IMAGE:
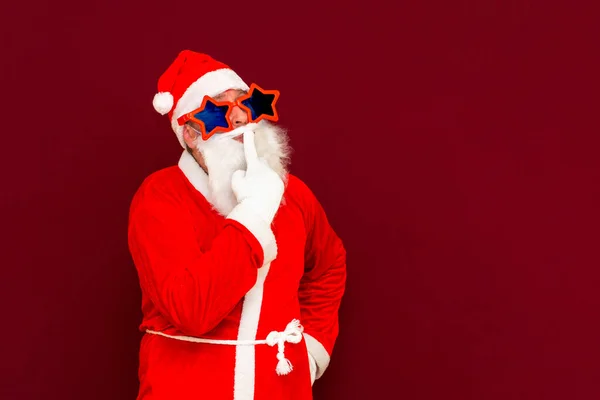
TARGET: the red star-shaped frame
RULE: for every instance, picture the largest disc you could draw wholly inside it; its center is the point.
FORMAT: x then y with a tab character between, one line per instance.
219	129
247	96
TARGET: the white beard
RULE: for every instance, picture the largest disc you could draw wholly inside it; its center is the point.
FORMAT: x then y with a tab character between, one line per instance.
223	156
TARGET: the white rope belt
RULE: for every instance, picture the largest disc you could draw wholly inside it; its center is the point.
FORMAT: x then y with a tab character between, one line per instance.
292	334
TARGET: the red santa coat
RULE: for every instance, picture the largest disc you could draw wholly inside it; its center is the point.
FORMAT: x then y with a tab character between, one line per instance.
206	276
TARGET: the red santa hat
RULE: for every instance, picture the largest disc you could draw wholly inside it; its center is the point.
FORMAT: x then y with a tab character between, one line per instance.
188	79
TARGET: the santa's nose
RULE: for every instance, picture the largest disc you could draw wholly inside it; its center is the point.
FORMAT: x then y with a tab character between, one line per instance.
238	117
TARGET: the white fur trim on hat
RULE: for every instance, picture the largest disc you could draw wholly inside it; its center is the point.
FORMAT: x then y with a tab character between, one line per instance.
210	84
163	102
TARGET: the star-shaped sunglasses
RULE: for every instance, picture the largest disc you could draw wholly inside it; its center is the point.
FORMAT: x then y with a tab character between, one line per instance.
213	116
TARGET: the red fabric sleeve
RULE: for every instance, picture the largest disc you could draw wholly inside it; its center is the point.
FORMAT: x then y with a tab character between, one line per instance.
323	283
193	290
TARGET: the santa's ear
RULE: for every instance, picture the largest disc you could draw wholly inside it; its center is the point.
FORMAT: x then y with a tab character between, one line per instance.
189	135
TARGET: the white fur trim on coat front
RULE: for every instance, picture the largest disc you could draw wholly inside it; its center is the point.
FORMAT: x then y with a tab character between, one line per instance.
194	173
209	84
259	228
245	356
318	352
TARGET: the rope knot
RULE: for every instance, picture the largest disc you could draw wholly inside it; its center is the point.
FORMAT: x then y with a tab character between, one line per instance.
292	334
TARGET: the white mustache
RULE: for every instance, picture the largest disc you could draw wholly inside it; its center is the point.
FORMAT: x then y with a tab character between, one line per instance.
236	132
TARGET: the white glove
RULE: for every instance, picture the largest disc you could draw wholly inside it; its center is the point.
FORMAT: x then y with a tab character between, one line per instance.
259	187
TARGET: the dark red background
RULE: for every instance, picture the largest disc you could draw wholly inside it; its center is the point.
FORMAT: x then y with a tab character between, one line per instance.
454	146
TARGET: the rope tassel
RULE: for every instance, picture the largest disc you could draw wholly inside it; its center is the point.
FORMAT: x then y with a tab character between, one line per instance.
284	366
292	334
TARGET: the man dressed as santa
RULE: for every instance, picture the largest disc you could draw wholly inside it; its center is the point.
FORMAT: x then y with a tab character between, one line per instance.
241	273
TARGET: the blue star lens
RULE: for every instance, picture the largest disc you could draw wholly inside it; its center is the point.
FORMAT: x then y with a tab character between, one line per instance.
213	116
260	104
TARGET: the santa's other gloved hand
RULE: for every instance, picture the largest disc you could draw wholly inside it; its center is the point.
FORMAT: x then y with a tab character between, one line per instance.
259	187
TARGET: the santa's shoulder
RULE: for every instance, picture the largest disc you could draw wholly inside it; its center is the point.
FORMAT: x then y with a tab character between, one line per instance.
159	185
298	191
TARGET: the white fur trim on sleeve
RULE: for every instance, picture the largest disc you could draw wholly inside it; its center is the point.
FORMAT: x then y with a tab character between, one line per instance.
312	363
318	352
259	228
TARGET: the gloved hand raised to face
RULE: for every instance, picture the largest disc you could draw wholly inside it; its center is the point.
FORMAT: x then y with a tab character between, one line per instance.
260	187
